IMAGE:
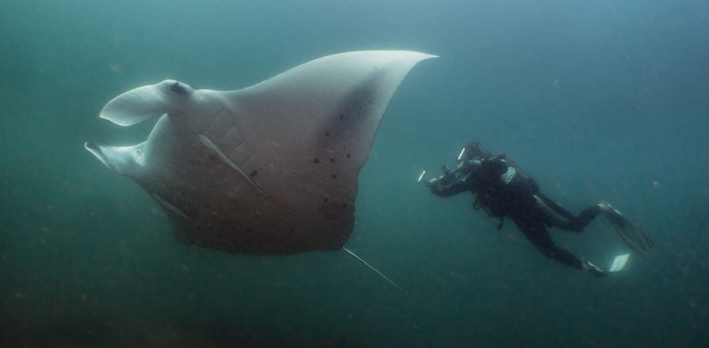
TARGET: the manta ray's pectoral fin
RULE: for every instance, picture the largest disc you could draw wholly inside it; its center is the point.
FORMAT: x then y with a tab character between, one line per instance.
214	150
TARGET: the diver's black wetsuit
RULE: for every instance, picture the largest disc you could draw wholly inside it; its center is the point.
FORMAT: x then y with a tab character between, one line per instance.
505	192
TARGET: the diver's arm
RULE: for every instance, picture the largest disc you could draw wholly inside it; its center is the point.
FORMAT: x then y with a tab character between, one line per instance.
447	190
453	183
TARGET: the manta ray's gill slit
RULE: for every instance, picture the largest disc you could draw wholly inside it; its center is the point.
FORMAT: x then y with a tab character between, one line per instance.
214	149
224	129
169	206
222	125
239	149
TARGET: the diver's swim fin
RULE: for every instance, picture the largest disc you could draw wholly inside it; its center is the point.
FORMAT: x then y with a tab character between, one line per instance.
619	262
626	229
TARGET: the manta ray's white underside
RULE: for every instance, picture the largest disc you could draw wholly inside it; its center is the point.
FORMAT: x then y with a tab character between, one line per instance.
269	169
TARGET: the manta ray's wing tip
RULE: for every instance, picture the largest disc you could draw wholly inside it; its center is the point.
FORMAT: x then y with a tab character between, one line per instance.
430	56
424	55
427	55
419	55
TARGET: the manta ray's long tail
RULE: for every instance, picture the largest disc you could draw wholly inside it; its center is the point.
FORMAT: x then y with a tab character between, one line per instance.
370	266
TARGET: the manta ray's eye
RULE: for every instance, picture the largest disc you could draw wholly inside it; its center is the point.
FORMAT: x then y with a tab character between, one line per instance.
178	88
138	152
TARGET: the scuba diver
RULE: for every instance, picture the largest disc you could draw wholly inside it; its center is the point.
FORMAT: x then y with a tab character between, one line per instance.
504	191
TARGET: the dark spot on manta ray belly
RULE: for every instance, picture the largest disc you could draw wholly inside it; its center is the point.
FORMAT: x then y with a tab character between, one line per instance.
316	160
327	133
332	160
332	211
334	176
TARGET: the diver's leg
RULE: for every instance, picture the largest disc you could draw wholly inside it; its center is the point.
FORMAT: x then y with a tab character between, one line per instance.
562	218
587	215
537	233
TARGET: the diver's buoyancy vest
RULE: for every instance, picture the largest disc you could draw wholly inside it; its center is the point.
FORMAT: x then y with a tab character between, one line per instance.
521	179
502	193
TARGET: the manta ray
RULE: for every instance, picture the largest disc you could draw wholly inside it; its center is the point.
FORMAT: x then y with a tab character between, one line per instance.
271	169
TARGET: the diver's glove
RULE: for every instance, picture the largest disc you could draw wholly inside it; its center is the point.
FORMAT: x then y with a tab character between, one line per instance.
592	269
